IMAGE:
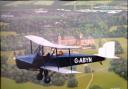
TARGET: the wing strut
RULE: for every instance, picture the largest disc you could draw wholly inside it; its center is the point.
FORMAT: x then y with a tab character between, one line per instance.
70	60
31	46
57	61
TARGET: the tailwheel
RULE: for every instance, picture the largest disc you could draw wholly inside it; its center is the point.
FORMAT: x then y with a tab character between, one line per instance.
47	78
39	76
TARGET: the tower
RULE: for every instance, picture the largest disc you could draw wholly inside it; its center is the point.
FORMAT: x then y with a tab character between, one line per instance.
59	39
81	35
80	40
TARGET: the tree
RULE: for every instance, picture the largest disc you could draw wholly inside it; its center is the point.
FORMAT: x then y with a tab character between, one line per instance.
3	59
72	82
118	48
58	79
119	66
121	31
87	69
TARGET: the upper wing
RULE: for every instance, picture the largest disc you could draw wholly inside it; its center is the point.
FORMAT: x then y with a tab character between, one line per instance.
41	41
60	70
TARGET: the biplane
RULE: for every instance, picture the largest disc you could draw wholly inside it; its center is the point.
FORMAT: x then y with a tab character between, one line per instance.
57	60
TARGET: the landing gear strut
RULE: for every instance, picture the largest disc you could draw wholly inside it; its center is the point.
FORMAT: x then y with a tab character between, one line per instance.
44	73
40	75
47	79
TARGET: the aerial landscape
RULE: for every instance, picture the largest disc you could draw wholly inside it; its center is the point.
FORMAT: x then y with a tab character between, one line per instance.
88	24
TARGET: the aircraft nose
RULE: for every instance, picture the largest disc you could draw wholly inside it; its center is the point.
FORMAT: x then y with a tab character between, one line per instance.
18	63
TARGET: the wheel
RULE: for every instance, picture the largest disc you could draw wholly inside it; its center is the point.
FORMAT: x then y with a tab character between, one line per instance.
39	76
47	79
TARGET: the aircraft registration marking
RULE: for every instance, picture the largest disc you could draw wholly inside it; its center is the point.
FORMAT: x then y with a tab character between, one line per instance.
83	60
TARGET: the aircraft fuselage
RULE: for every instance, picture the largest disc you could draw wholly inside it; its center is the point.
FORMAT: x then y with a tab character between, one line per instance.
57	61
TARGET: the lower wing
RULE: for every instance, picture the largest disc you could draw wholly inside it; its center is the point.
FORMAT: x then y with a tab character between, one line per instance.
60	70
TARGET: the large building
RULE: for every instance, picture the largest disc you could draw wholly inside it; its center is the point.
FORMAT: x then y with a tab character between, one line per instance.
81	41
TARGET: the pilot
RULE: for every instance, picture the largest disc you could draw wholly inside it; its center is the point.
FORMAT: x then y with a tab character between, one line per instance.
48	55
60	53
40	53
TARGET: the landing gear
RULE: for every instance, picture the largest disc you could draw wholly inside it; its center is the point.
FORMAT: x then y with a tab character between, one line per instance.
40	75
47	79
44	74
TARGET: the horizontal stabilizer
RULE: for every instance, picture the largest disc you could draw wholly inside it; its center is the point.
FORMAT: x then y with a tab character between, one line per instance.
60	70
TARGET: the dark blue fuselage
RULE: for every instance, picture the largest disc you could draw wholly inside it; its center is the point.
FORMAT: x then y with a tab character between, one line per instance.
35	61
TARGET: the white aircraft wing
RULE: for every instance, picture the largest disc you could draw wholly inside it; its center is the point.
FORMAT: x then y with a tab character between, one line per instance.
60	70
41	41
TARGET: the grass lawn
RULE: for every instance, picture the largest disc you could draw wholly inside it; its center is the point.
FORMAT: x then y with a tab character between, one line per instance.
7	33
109	80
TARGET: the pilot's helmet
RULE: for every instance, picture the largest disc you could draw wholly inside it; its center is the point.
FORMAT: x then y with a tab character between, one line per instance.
61	53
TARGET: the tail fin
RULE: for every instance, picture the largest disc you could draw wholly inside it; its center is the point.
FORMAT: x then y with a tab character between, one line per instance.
108	50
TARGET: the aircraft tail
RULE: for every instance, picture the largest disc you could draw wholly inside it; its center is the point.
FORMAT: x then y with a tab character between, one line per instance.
108	50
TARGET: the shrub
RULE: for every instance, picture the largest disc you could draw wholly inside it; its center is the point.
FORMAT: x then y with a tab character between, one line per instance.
119	66
87	69
118	49
72	82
